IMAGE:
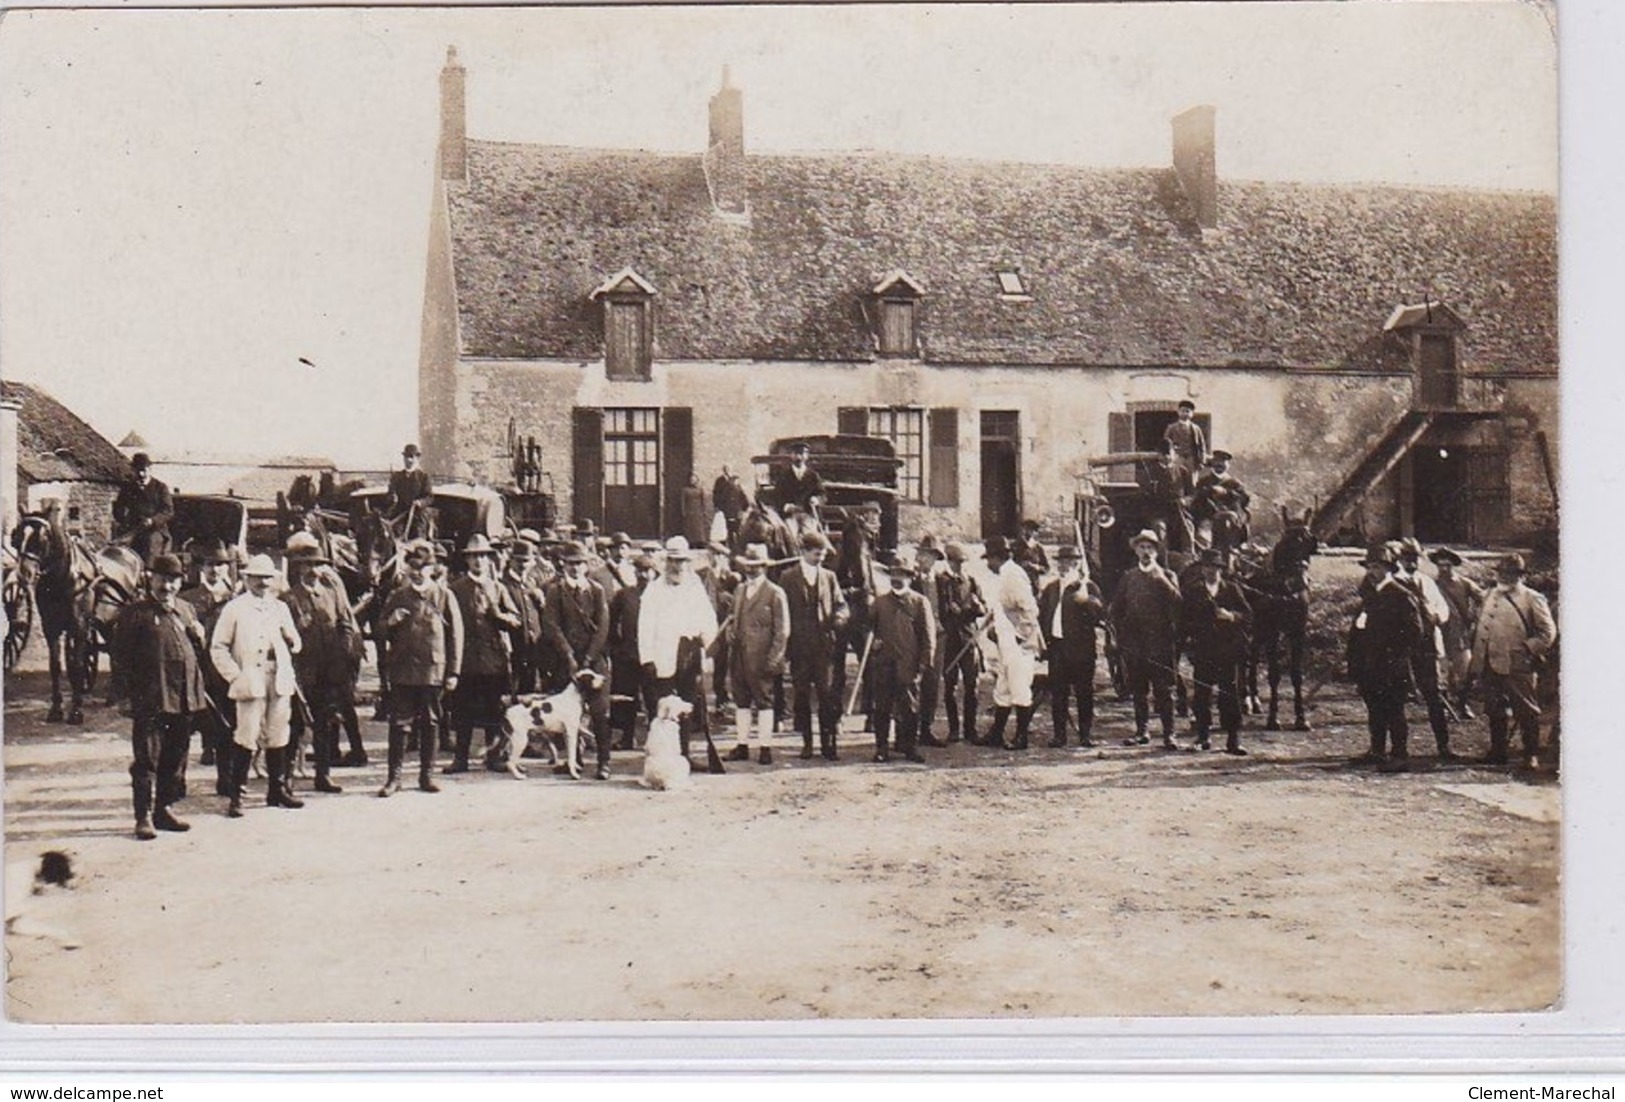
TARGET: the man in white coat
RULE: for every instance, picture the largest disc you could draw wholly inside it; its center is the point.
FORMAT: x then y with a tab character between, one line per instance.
676	625
1013	657
252	647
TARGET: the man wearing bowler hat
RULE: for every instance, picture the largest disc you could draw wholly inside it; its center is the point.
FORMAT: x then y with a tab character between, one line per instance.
408	485
577	624
796	483
1145	617
1070	610
1215	619
156	666
488	615
1515	631
1382	638
142	511
818	618
905	640
329	641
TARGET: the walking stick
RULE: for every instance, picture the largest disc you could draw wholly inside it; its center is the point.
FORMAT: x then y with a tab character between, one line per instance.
857	684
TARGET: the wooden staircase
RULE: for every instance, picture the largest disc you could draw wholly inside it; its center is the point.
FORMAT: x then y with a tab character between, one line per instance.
1378	462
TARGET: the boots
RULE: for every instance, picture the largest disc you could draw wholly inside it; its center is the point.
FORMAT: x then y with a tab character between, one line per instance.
1024	720
827	746
163	819
806	745
237	762
995	734
426	752
882	726
1232	744
397	751
465	743
327	744
764	731
142	792
277	792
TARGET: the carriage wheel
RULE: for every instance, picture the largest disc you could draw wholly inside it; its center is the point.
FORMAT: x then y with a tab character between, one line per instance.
20	625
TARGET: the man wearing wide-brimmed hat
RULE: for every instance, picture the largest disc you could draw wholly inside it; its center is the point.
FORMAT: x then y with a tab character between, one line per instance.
424	650
252	647
758	635
962	609
1382	638
1465	597
1215	621
577	625
330	641
676	626
488	615
1515	632
214	588
1145	618
1425	660
156	667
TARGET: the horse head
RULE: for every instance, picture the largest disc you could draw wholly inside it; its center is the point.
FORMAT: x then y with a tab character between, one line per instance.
1297	545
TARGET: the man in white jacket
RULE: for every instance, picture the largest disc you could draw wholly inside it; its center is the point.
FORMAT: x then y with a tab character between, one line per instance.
676	626
252	647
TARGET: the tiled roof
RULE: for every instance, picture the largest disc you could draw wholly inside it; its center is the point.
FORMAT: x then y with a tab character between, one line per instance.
1118	272
55	445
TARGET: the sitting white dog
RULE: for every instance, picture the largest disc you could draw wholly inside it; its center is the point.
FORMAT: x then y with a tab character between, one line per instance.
26	881
665	767
559	721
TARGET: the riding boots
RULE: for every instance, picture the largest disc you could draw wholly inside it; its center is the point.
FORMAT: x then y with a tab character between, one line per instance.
237	760
397	751
142	791
426	752
277	792
995	733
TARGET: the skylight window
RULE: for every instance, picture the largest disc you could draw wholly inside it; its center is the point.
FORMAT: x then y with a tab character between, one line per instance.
1012	285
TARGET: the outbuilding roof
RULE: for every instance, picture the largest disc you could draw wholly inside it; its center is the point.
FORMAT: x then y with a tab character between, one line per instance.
1116	271
54	444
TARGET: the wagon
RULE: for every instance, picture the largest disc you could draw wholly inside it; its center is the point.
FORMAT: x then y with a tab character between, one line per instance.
19	607
857	471
457	512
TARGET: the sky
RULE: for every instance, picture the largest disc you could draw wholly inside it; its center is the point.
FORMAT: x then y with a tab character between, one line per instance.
192	201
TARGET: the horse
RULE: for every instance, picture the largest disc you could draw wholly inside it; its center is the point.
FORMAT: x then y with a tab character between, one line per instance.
1279	590
761	524
63	576
377	567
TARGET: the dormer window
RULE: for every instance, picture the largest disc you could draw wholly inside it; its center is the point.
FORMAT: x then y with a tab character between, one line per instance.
628	301
897	300
1430	329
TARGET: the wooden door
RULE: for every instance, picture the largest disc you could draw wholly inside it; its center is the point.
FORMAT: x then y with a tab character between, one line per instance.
632	471
1436	381
1001	472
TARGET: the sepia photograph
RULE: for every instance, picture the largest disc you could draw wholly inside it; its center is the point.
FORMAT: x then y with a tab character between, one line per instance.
782	512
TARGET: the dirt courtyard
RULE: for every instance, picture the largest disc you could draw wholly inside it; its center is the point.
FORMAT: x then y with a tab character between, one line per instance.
988	884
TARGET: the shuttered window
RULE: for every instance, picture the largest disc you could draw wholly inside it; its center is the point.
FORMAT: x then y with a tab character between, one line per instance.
677	453
896	327
905	428
628	348
944	478
587	463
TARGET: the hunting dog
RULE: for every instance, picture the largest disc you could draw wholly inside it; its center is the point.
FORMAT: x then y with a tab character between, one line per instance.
665	768
26	881
560	721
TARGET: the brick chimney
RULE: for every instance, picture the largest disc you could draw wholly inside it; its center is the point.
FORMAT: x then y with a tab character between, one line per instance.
453	119
725	155
1194	164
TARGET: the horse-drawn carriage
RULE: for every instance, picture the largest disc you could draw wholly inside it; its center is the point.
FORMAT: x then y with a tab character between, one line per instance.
19	606
857	472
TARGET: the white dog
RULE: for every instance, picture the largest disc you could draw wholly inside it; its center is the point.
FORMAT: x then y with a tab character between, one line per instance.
665	767
26	881
560	721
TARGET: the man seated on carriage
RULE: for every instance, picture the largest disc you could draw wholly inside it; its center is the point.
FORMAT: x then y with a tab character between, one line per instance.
1219	490
142	511
1168	490
408	486
797	484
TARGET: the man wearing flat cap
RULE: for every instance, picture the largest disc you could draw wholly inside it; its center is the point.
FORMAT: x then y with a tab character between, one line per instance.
1382	638
409	485
156	646
142	511
1145	617
1186	441
1465	597
576	623
1514	634
818	618
1218	490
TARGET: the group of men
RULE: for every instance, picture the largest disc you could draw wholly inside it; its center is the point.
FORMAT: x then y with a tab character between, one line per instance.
1192	486
1417	636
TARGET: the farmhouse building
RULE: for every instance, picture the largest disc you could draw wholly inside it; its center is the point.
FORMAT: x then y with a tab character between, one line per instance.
1388	353
50	453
